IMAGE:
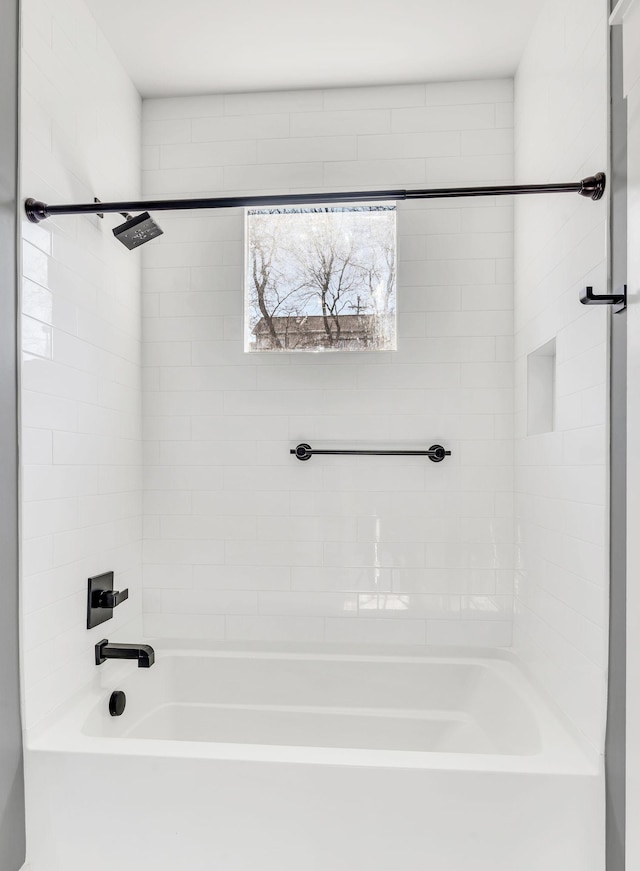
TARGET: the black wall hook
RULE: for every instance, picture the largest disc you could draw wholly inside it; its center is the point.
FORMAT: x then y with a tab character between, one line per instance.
617	300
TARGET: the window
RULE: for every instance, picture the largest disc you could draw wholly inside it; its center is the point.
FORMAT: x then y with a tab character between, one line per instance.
320	278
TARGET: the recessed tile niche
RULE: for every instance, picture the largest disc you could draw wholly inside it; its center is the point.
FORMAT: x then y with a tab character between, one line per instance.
541	389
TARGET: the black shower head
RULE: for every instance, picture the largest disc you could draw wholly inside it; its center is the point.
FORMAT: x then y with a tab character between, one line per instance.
136	231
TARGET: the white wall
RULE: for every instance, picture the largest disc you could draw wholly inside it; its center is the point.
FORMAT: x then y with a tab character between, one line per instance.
244	542
561	476
81	350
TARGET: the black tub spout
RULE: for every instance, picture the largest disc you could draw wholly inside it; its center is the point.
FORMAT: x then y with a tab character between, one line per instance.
144	653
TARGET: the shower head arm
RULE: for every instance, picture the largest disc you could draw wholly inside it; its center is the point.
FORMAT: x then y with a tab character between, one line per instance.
591	187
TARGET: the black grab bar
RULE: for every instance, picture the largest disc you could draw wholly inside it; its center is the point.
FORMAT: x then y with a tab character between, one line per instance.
436	453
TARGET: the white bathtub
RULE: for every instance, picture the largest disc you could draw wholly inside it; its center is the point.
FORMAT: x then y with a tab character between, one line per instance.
229	760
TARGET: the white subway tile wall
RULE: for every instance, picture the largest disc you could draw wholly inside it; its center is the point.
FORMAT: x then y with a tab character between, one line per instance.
81	401
241	540
561	476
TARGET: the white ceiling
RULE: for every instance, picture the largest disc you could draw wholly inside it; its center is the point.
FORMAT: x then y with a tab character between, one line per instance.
220	46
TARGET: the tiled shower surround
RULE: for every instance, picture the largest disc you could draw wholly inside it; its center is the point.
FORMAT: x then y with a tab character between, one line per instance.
562	476
241	540
80	447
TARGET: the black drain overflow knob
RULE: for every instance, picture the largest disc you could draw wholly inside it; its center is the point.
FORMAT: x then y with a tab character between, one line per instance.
117	703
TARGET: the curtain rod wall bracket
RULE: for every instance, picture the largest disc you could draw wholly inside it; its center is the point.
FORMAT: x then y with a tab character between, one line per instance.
593	187
36	210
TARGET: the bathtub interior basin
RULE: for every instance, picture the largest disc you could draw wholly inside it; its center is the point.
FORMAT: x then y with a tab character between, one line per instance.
376	703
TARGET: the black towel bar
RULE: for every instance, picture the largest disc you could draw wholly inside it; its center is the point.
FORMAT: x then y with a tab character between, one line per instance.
436	453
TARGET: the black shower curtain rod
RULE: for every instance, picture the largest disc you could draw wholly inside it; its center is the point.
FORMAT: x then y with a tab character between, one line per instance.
593	187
